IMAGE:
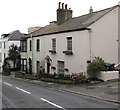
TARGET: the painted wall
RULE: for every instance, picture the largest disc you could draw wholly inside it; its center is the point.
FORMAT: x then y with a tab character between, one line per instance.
101	41
33	54
76	62
5	50
104	37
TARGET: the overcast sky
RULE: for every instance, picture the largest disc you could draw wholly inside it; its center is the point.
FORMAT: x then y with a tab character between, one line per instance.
22	14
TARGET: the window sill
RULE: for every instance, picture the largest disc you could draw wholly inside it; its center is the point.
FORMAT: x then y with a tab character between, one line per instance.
68	52
52	51
38	50
23	51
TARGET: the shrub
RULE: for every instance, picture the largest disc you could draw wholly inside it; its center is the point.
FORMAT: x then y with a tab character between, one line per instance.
96	66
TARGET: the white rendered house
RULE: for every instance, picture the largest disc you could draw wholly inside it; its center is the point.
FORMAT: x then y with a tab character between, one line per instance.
71	43
6	41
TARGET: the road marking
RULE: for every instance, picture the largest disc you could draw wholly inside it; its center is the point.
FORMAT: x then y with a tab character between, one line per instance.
52	103
7	84
23	90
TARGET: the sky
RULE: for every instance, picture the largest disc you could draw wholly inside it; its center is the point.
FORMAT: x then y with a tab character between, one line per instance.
22	14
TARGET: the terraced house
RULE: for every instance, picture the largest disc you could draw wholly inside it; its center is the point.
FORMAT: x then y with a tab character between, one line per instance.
70	43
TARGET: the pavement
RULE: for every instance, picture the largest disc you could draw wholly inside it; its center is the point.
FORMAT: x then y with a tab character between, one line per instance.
107	91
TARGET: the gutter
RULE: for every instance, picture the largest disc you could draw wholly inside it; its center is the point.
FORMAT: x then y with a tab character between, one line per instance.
80	29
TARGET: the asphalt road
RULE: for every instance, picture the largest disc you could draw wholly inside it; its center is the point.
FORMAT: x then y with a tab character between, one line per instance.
21	94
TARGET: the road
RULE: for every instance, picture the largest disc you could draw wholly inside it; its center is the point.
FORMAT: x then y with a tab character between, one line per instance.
21	94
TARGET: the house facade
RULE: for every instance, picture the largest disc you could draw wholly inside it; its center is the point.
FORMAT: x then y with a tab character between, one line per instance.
32	54
99	39
70	44
6	41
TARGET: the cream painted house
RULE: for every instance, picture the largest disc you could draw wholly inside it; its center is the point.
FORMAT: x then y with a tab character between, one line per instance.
68	45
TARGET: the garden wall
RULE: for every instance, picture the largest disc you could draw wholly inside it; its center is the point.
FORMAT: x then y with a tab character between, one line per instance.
108	75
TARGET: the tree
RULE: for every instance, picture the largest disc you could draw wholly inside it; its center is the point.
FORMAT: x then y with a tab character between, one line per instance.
96	66
6	67
14	55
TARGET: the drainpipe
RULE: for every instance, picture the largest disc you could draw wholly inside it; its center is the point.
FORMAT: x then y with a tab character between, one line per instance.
32	49
89	30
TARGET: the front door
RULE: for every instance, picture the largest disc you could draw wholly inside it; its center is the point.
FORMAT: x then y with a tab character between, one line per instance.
30	65
48	67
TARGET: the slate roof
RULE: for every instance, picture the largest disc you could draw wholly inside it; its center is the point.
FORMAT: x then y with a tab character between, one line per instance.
76	23
16	35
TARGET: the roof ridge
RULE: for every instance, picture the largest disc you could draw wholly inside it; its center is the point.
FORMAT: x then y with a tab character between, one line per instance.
97	11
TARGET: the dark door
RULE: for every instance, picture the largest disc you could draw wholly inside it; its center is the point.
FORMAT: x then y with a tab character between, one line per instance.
48	67
30	65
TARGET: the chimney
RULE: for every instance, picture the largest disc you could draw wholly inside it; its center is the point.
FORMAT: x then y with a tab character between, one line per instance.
91	10
63	14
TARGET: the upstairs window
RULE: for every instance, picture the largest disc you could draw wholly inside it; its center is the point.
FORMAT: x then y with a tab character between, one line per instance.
4	45
30	45
69	43
38	45
23	45
54	44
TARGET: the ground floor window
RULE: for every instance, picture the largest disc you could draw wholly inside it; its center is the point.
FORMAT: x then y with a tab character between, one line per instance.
61	66
38	66
24	65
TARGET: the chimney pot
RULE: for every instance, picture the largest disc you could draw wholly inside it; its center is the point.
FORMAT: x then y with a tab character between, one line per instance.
59	5
66	6
62	5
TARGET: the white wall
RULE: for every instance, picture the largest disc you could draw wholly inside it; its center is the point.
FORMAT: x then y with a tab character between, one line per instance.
5	50
104	43
104	37
35	55
77	61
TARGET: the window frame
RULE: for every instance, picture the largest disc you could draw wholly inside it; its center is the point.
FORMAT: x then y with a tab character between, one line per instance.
38	45
69	43
30	44
61	68
54	44
23	44
24	65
